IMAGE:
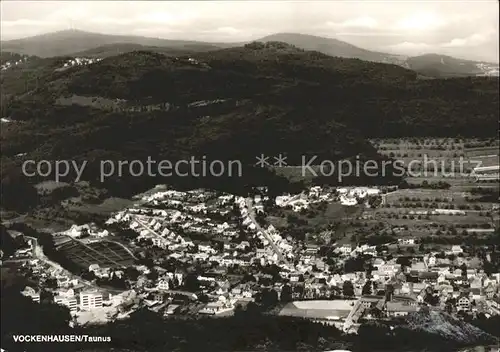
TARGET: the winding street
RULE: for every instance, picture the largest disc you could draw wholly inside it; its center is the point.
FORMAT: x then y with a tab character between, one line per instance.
251	214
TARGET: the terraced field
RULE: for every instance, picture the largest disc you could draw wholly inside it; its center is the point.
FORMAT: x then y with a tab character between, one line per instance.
446	152
107	254
466	209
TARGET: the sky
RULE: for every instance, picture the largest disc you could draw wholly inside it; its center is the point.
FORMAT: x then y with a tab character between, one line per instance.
467	29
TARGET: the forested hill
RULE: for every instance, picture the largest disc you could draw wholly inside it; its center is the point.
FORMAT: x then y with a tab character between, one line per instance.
435	65
374	99
332	46
69	42
233	103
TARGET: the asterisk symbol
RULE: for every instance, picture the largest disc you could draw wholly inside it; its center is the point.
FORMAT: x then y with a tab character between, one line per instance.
280	160
262	161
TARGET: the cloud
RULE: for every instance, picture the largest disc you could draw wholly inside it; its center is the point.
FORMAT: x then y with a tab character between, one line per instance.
168	18
409	48
363	22
422	21
356	23
79	12
151	18
226	30
371	34
27	27
157	32
29	23
472	40
111	21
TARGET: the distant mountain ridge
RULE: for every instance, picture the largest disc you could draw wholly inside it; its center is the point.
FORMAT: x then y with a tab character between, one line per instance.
437	65
430	65
123	48
332	47
76	42
68	42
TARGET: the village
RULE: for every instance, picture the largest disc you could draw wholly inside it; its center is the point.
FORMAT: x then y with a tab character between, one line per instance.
200	252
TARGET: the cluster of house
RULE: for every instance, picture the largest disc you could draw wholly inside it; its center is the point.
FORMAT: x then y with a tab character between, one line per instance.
81	231
79	299
348	196
10	64
165	294
191	61
460	281
302	201
453	282
79	61
272	248
488	69
303	268
170	220
59	285
26	251
67	289
355	195
219	235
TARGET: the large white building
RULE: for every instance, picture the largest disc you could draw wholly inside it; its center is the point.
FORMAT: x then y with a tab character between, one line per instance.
31	293
89	300
69	302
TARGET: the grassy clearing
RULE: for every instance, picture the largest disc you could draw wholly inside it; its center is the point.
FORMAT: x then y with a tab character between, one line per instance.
332	221
107	207
295	173
314	216
49	186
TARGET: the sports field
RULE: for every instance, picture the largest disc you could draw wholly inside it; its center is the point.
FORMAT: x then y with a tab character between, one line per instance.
107	254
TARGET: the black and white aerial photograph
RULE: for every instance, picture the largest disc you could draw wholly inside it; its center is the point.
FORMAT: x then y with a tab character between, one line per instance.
250	176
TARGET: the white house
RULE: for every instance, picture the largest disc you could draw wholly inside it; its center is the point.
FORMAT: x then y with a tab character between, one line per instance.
463	303
69	302
406	241
90	300
163	284
346	249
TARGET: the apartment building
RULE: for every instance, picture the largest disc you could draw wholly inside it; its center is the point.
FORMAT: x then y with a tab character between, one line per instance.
69	302
31	293
89	300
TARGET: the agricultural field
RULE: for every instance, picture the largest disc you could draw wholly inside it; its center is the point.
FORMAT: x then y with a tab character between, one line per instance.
465	205
438	198
456	183
440	179
447	153
296	173
318	223
104	208
105	253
